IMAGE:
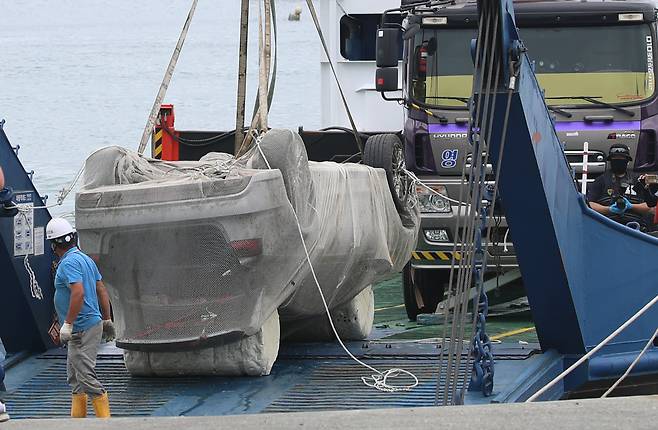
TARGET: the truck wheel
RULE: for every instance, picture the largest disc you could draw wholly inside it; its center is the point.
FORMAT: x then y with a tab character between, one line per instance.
384	151
427	285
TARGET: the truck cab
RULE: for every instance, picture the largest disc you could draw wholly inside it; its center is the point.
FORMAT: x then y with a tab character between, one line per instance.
595	63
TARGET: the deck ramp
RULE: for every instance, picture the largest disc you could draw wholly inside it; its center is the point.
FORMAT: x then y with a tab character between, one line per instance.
299	382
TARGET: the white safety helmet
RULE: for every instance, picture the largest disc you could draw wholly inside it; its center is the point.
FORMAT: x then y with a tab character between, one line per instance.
59	230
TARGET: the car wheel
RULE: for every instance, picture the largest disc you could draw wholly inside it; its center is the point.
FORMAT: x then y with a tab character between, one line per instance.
423	289
384	151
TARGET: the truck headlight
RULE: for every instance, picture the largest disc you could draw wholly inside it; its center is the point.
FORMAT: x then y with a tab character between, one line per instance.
437	235
431	201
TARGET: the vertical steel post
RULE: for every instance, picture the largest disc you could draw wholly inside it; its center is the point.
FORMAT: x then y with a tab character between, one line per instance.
242	75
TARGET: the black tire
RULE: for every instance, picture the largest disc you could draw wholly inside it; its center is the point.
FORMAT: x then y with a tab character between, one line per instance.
430	283
384	151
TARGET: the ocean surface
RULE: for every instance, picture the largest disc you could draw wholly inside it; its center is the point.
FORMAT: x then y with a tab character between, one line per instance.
79	75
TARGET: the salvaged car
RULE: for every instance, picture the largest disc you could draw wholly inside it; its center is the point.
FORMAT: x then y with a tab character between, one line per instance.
209	263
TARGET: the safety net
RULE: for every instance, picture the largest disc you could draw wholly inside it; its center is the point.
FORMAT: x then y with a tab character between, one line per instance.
192	251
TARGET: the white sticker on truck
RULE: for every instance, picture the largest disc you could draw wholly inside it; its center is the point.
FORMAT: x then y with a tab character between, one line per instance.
650	77
449	158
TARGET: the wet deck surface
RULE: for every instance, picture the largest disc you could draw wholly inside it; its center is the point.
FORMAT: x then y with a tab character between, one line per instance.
306	377
392	323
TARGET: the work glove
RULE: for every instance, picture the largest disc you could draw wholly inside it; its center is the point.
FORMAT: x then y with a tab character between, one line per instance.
621	210
65	332
109	332
7	207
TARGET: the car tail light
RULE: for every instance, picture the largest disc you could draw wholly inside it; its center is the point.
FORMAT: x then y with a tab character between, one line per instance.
247	247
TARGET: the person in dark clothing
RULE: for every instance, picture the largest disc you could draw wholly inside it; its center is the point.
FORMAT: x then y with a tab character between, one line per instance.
648	190
618	193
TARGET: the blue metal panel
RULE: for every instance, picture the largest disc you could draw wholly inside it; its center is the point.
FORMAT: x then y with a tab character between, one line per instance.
608	366
585	275
24	321
533	378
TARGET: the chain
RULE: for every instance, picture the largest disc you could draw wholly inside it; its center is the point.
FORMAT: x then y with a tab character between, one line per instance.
481	350
483	362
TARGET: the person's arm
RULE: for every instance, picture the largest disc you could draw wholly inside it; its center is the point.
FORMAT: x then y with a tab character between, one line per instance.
103	300
640	208
75	304
2	179
602	209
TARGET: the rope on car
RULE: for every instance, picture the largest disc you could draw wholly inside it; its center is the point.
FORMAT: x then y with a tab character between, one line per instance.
417	181
378	380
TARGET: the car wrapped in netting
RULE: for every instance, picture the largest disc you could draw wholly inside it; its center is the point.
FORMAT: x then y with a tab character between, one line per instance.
199	255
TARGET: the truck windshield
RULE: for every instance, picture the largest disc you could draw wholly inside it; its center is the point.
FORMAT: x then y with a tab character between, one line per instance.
615	63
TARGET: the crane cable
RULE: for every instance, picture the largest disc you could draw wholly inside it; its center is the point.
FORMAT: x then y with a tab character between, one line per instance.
316	21
150	122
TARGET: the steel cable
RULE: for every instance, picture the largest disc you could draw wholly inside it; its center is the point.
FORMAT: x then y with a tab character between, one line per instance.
453	291
468	247
316	21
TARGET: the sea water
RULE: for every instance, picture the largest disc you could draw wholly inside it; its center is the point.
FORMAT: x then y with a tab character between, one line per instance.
79	75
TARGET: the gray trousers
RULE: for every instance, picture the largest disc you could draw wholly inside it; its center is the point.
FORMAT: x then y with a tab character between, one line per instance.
81	361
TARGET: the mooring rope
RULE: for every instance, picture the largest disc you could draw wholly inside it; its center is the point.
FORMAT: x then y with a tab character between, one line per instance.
594	350
630	368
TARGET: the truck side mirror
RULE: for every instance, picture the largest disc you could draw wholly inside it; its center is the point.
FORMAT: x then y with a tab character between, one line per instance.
388	47
386	79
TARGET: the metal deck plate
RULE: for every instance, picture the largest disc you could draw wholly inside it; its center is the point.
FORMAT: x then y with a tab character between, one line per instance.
46	395
338	386
305	378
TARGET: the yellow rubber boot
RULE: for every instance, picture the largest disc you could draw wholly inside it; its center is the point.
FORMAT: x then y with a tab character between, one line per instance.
79	405
101	405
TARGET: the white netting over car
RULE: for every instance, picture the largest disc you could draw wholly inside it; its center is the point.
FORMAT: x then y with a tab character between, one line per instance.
195	250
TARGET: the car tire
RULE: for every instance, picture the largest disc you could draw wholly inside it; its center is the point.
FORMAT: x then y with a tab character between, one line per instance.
384	151
430	284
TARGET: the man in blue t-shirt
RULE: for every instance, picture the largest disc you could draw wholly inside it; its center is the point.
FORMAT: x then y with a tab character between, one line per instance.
83	308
